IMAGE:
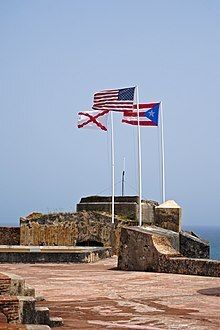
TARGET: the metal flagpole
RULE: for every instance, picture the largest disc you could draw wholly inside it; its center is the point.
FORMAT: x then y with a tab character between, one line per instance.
162	153
123	179
113	166
139	159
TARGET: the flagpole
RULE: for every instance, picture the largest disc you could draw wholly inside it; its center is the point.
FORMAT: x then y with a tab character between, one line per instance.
123	179
139	159
113	166
162	154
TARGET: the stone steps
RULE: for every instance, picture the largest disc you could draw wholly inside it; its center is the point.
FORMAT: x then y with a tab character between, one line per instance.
18	304
42	315
31	314
56	321
16	285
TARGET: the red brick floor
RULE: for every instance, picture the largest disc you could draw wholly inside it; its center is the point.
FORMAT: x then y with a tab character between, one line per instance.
97	296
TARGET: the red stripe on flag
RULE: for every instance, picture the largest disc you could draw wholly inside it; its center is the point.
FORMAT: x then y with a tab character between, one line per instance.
145	105
142	123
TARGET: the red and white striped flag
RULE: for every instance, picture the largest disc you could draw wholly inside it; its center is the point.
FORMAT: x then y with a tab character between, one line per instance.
114	99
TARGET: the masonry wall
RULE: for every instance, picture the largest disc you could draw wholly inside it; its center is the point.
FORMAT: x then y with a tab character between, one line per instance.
9	235
141	250
69	229
9	305
126	206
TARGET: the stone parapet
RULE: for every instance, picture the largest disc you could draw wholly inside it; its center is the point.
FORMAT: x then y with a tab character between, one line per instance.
190	266
126	206
145	250
193	246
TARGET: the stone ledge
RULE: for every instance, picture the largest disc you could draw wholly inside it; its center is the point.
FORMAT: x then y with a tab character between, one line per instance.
50	254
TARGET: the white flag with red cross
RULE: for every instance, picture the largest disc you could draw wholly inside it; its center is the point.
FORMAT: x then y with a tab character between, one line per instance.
96	119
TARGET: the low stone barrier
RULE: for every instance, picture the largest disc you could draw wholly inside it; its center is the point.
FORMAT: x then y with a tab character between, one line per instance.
51	254
150	250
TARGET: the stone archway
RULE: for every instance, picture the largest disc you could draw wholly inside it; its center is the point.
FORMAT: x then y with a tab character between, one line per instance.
89	243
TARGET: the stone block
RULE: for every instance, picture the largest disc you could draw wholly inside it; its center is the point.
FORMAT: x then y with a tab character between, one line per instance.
168	216
27	310
148	211
42	315
56	321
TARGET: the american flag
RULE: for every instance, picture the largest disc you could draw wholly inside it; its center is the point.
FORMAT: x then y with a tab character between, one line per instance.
114	99
148	115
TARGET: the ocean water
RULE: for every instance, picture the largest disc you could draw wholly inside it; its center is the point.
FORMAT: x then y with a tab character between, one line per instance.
211	234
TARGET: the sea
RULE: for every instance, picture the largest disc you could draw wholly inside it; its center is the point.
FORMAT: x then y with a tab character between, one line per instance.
211	234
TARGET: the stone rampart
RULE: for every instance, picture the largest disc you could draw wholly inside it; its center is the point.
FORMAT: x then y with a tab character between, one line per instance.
145	250
9	235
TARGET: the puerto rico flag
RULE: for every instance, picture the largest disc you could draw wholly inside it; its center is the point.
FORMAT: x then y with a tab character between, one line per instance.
148	115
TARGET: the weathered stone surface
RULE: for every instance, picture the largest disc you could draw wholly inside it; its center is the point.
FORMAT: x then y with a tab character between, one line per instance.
172	236
108	199
190	266
143	250
168	215
9	235
151	251
69	229
192	246
126	206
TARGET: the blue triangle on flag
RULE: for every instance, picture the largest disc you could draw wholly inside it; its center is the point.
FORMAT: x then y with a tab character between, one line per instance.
153	113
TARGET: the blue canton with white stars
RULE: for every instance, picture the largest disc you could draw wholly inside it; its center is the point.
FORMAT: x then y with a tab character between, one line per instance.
126	94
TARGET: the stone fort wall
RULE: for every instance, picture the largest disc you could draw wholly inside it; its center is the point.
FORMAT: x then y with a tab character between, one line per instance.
70	229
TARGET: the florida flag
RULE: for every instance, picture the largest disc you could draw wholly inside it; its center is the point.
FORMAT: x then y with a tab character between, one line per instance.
148	115
93	119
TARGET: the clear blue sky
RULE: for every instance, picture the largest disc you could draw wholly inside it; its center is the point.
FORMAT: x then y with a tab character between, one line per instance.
56	54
